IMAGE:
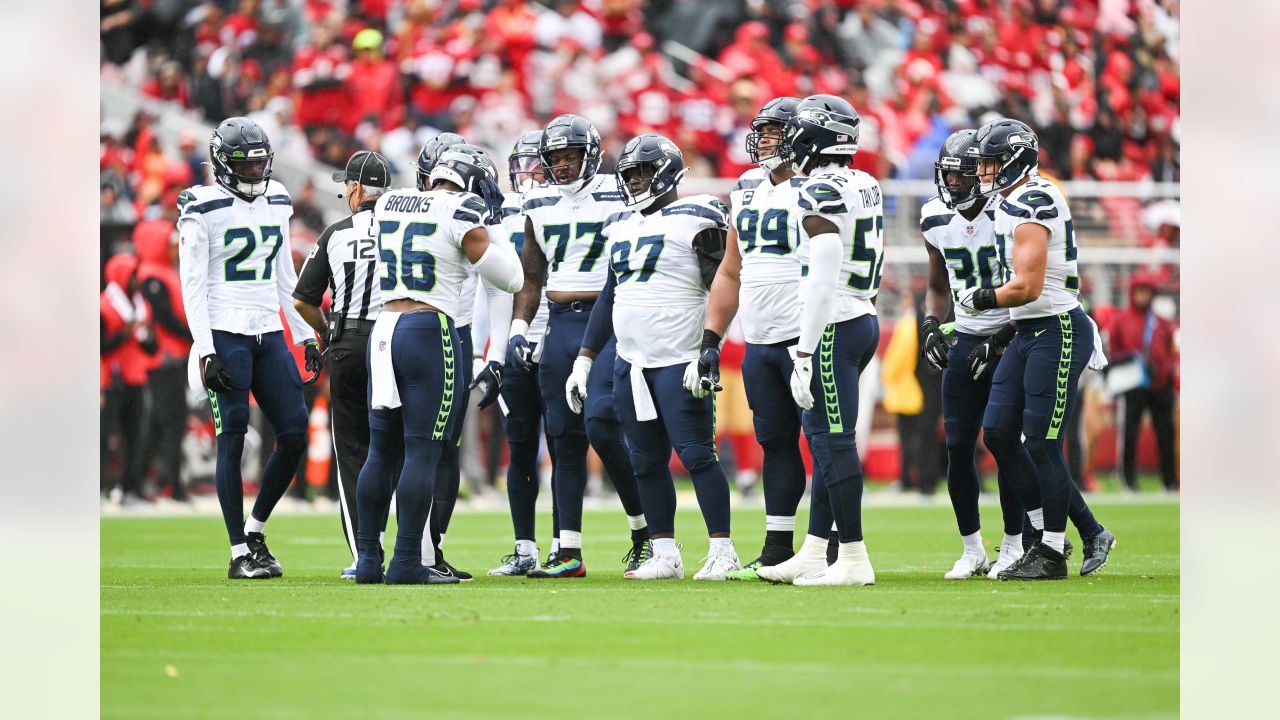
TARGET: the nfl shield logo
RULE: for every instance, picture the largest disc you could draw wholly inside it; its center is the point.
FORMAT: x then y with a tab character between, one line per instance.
969	230
382	346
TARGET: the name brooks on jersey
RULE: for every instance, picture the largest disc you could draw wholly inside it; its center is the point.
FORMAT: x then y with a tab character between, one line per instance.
972	256
420	245
851	200
660	302
1039	201
769	239
567	228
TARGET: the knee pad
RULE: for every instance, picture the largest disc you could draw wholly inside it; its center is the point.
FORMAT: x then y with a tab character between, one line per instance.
647	466
1041	449
604	435
291	446
696	457
234	419
780	445
997	441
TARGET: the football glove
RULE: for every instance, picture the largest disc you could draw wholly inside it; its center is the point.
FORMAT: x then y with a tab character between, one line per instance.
215	373
988	352
575	389
519	352
974	300
491	377
935	347
702	377
314	360
802	380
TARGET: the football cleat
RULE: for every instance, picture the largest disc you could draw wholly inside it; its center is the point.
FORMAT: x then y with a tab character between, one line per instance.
637	555
1031	536
969	565
658	567
257	543
770	555
442	567
349	573
247	567
852	567
1041	562
1008	556
1096	550
413	572
515	564
718	565
560	566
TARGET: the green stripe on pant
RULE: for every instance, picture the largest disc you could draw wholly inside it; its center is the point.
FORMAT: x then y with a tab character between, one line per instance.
446	398
217	412
827	377
1064	378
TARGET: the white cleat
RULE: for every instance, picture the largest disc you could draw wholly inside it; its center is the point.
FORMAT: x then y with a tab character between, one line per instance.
658	567
1009	554
969	565
719	565
811	559
852	567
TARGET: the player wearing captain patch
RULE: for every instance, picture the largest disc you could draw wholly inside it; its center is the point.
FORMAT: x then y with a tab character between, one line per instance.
1034	385
842	217
427	241
759	282
663	253
565	252
237	274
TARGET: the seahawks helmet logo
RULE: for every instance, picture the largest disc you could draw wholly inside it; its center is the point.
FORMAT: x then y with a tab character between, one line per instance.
1026	141
670	148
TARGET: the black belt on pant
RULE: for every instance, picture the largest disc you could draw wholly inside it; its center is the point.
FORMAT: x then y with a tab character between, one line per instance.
575	306
363	327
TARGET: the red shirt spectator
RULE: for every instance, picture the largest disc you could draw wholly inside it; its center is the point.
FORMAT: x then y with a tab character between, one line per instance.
168	84
123	322
374	83
1138	331
242	26
161	287
320	72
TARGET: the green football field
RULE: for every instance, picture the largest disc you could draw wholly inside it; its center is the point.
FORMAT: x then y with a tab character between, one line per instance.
179	640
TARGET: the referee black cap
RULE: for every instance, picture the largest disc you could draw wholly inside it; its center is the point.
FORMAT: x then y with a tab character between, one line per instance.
367	168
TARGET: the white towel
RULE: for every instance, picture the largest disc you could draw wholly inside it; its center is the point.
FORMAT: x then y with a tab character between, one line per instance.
382	376
1097	360
194	380
640	396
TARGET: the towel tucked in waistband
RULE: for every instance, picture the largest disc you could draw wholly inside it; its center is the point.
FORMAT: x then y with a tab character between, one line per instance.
384	395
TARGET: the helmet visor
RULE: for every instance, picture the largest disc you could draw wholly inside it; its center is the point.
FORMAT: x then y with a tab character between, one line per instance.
524	168
250	170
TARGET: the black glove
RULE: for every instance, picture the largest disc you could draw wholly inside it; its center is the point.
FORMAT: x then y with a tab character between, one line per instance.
314	360
215	373
709	363
988	352
518	353
935	348
491	376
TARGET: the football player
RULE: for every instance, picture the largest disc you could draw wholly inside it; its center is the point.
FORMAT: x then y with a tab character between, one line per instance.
426	242
237	274
564	220
760	279
841	212
1035	381
520	391
663	253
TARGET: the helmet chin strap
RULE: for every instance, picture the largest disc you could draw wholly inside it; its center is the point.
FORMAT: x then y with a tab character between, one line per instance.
771	163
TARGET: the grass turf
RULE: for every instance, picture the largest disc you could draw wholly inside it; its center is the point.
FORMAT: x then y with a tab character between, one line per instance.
180	640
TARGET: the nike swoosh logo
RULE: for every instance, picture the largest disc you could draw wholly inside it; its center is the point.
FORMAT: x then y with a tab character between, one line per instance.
1038	333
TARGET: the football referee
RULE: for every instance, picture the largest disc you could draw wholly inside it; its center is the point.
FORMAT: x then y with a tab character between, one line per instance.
345	262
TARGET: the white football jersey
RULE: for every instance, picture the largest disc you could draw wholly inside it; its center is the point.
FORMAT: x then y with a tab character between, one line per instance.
973	260
567	228
238	254
769	239
851	200
420	245
1041	202
513	225
660	303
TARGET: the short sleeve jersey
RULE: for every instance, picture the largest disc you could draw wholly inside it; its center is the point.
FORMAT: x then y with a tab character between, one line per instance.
769	237
969	249
567	228
1041	202
851	200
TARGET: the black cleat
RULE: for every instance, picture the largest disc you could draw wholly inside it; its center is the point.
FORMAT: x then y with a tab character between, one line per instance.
445	569
1041	562
257	543
367	571
401	572
247	567
1096	550
1031	536
636	556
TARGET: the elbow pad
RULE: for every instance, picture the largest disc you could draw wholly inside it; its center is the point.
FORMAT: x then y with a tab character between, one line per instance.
501	268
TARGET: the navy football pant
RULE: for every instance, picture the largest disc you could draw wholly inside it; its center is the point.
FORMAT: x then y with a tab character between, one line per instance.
685	423
524	426
766	376
1032	395
449	477
262	365
843	352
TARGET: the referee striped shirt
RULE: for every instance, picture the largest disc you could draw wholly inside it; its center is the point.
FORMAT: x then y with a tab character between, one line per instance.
345	260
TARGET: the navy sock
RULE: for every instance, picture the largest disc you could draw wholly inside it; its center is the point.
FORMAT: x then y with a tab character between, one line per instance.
639	536
784	476
780	538
606	438
229	484
1055	481
1081	516
571	479
279	473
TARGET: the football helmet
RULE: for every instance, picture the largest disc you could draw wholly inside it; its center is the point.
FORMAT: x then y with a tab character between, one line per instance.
430	155
570	131
650	166
524	161
775	112
958	155
822	125
469	167
1011	144
241	155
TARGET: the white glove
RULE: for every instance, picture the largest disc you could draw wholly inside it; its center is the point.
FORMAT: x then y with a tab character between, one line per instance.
575	389
964	301
802	380
693	380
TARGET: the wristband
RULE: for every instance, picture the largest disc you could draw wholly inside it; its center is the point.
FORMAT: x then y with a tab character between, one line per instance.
984	299
710	340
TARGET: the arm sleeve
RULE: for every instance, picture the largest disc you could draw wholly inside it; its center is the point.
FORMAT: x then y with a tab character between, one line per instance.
500	266
157	296
825	253
286	281
193	264
600	326
314	279
499	305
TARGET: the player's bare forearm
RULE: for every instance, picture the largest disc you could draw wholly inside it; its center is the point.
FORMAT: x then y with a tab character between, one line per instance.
313	315
535	270
1030	254
937	296
723	304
